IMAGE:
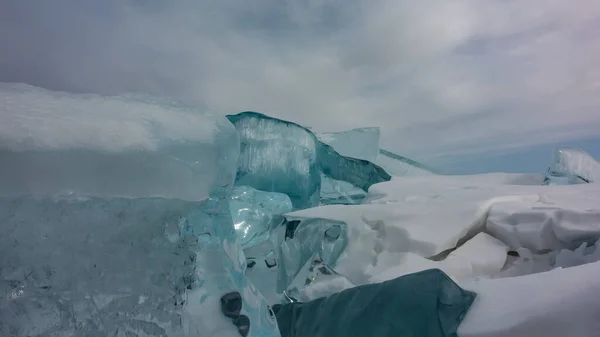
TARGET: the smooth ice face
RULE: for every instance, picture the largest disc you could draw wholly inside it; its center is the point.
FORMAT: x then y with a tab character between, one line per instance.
278	156
300	239
284	157
361	143
572	166
255	213
340	192
126	232
275	264
129	146
112	266
401	166
315	279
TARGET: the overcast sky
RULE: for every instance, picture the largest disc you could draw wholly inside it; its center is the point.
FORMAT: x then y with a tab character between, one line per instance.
444	79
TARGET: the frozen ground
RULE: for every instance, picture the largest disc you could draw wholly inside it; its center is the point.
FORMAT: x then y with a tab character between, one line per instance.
466	225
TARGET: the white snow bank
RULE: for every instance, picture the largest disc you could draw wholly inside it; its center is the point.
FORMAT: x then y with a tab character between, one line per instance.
560	218
482	256
425	216
558	303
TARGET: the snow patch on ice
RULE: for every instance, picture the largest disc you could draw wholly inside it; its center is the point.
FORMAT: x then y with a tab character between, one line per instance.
38	119
558	303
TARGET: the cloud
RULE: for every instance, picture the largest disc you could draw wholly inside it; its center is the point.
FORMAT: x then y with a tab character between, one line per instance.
441	78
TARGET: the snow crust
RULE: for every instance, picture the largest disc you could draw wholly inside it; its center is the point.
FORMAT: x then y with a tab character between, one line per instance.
559	303
415	223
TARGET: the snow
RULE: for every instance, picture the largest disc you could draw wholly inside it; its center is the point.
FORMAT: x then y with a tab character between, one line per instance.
558	303
482	256
413	223
558	219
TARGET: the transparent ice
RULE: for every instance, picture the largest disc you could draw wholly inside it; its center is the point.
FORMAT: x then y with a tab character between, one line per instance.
315	279
255	213
114	218
363	143
300	239
572	166
284	157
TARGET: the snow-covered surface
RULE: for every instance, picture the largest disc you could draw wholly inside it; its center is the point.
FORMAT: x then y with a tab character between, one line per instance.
407	224
408	220
558	303
129	146
558	219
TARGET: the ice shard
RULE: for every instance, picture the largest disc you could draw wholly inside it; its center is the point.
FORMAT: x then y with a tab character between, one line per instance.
572	166
315	279
284	157
255	213
300	239
114	219
361	143
401	166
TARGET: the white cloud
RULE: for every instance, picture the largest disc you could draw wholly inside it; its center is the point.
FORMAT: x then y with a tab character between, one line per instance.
439	77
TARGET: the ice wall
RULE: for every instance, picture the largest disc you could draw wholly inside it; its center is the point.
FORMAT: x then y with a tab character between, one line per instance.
361	143
114	219
284	157
572	166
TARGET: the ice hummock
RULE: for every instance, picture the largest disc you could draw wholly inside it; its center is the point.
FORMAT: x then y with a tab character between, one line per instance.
115	219
572	166
129	146
103	257
363	143
284	157
256	213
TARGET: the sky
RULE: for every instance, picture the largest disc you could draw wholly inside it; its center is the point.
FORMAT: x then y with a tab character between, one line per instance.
466	86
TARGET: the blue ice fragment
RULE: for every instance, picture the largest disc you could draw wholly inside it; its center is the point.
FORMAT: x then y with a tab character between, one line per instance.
401	166
255	213
300	239
116	218
340	192
361	143
572	166
284	157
